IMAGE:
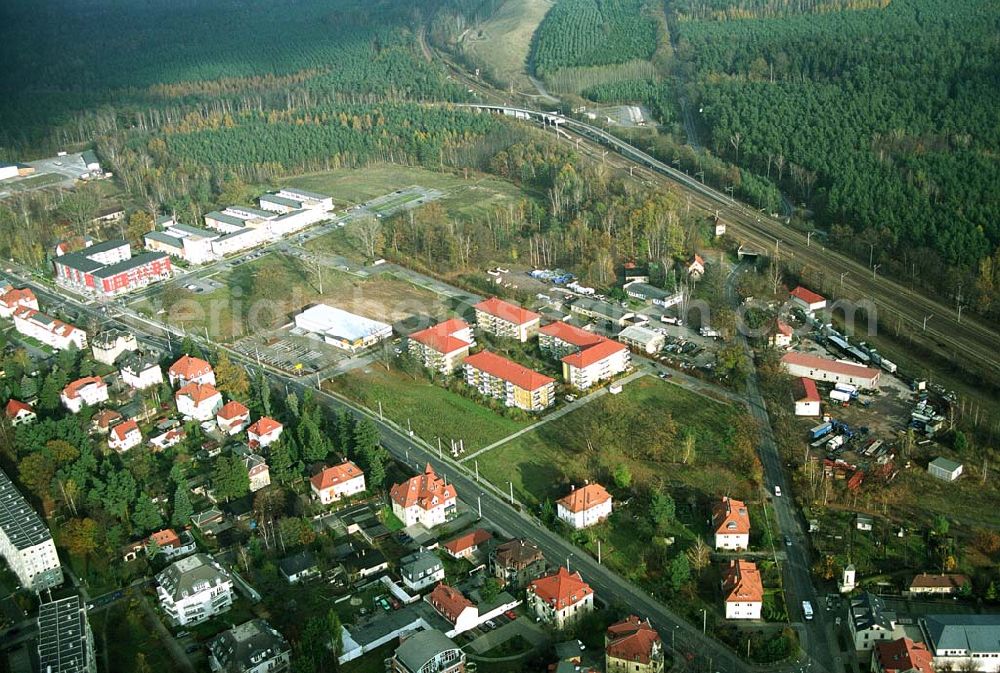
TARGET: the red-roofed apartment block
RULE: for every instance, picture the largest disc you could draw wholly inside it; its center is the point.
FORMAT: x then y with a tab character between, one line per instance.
807	300
633	646
504	319
833	371
425	499
514	384
464	546
731	522
596	363
443	346
15	298
50	331
743	589
585	506
232	417
339	481
264	432
807	399
559	339
560	598
125	436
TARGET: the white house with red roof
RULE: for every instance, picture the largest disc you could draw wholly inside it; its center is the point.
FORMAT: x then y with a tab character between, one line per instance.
425	499
742	589
50	331
15	298
560	598
443	346
19	413
458	610
807	398
696	267
165	440
199	401
125	436
464	546
339	481
832	371
633	646
782	337
584	507
595	364
85	392
264	432
232	417
731	522
191	370
807	300
516	385
504	319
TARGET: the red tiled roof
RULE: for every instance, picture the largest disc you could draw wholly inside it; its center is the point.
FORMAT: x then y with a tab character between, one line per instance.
166	538
582	499
232	410
808	296
426	490
198	392
571	334
508	370
589	356
835	366
121	430
506	311
810	394
17	296
189	368
72	391
561	589
730	517
53	325
439	337
467	541
449	602
741	582
105	418
698	260
338	474
14	407
903	656
263	426
784	328
632	640
944	581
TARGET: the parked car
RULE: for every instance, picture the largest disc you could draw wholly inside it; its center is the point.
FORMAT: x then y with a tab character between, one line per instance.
511	615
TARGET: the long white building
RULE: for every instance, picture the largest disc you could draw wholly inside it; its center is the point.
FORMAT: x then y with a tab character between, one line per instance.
834	371
25	542
342	329
51	332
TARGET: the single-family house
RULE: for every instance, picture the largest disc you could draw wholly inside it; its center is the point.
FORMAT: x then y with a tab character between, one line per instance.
426	499
782	335
125	436
742	589
189	369
633	646
104	420
696	267
165	440
251	647
863	522
85	392
458	610
141	370
807	300
336	482
560	598
731	522
939	584
19	413
264	432
464	546
421	570
199	401
504	319
585	506
171	544
232	417
298	567
109	345
807	398
517	562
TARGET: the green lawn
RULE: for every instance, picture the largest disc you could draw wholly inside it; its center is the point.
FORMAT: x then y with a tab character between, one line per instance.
590	442
35	181
121	633
373	662
432	410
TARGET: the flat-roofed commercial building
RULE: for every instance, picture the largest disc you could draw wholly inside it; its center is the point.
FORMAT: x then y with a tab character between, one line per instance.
342	329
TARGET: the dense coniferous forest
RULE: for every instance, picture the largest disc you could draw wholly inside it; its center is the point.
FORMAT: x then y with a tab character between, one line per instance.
883	121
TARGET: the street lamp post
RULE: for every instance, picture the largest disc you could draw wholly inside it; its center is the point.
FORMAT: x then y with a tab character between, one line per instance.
842	280
809	235
875	270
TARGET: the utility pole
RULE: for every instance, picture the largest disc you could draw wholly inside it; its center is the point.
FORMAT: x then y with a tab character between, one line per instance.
598	550
380	417
926	318
479	500
875	270
842	279
809	235
511	484
871	253
477	471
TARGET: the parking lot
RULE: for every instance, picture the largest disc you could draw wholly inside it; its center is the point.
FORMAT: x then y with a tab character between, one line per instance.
402	199
54	171
290	351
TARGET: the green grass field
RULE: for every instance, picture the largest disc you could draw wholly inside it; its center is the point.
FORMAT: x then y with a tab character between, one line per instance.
502	44
432	410
543	462
35	182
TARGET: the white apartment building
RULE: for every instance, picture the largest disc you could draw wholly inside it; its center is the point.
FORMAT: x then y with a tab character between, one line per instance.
597	363
731	521
12	299
48	330
198	401
424	499
194	589
560	599
743	590
107	346
141	370
25	541
85	392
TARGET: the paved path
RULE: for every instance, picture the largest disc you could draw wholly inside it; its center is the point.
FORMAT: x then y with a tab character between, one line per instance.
173	647
519	627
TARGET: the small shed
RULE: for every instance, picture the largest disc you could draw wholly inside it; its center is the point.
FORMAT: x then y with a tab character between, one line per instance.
944	469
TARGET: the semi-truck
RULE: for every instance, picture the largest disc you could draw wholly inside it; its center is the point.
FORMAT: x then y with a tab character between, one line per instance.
807	610
820	430
840	395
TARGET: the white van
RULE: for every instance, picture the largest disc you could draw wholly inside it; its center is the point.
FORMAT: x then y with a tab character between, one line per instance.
777	491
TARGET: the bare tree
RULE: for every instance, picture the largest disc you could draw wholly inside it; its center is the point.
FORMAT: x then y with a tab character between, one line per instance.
367	232
735	141
699	555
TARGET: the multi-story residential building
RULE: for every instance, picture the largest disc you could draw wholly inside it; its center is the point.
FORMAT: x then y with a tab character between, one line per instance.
504	319
124	436
421	570
643	339
85	392
339	481
595	364
584	507
65	640
428	651
240	239
108	345
731	522
264	432
560	598
742	589
141	370
25	542
633	646
50	331
192	244
963	642
252	647
108	269
902	656
559	339
188	369
19	413
424	499
442	347
194	589
464	546
870	622
198	401
232	417
301	197
13	299
510	382
517	562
